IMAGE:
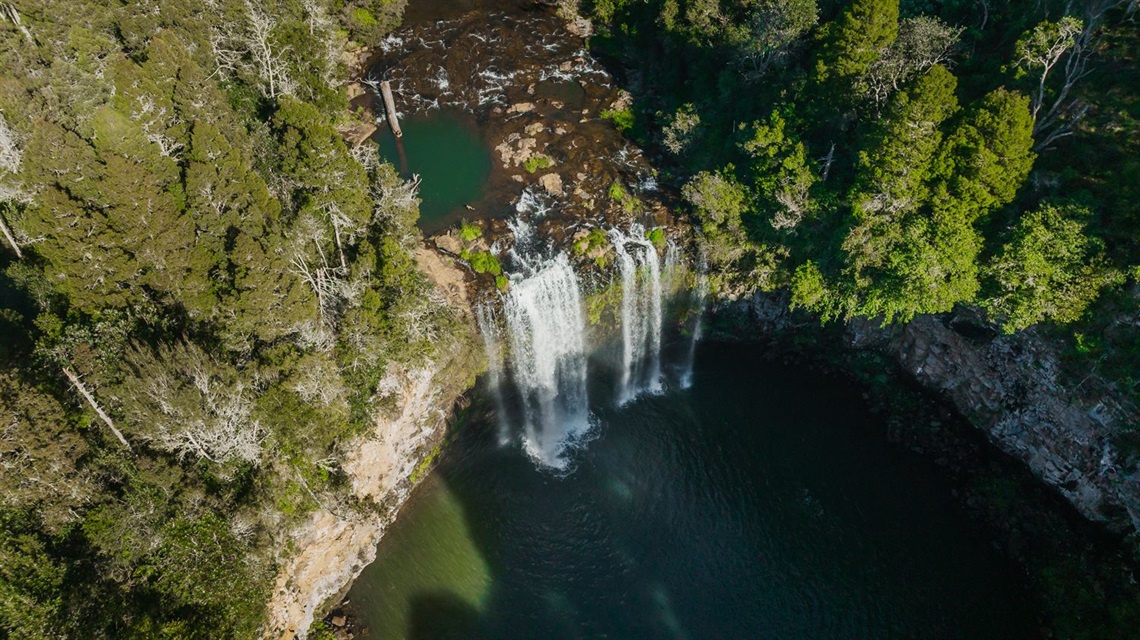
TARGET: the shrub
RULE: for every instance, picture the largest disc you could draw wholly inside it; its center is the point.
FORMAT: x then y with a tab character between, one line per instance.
622	118
485	262
535	163
469	232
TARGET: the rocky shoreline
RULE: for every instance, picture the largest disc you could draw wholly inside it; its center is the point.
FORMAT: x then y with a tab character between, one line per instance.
1009	430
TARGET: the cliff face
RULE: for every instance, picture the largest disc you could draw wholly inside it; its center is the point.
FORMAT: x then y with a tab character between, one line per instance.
1010	387
320	559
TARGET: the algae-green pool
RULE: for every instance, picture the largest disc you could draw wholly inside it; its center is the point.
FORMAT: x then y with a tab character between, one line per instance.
445	150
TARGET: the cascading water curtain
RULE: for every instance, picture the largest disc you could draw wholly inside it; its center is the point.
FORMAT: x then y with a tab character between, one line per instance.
548	358
641	314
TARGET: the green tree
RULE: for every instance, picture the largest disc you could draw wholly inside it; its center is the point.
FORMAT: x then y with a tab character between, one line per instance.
772	31
31	579
41	456
854	41
987	158
903	258
1050	270
739	263
782	174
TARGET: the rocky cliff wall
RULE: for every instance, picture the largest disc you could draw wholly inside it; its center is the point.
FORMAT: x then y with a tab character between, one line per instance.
1010	387
319	560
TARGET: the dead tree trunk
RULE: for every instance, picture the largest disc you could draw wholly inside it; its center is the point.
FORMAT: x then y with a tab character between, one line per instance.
390	108
10	238
14	17
94	405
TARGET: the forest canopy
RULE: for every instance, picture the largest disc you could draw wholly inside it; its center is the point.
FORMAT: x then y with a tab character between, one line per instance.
885	158
201	288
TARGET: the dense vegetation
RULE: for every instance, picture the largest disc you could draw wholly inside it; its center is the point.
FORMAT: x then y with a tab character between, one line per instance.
201	288
883	159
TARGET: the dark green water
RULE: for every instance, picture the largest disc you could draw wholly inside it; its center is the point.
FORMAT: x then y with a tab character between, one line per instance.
444	148
764	502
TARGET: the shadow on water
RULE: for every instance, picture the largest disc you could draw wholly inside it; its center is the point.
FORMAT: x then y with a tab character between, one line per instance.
764	502
441	616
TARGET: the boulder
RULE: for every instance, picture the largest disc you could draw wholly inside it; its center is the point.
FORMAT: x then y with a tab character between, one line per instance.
552	182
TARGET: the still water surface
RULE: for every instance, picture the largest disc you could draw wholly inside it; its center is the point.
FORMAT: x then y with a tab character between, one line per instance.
763	502
445	150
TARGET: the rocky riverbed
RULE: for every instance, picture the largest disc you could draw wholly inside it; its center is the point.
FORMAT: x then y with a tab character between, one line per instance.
547	109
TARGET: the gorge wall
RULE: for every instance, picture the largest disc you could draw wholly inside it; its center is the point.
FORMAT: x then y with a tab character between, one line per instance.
319	559
1012	388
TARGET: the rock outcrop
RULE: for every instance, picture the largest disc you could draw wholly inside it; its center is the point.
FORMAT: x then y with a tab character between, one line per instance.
1012	388
321	558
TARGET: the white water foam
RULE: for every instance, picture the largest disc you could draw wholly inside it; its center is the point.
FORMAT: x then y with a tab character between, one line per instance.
641	319
548	359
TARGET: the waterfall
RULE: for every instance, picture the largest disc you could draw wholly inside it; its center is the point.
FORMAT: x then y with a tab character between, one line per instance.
640	271
489	328
700	299
672	261
548	358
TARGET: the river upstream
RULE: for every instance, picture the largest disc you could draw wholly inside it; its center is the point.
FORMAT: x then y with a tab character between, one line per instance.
612	485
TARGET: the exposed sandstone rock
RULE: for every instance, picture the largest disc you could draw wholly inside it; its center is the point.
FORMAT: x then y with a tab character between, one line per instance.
516	150
552	182
356	132
354	90
331	549
580	27
326	553
448	278
521	107
448	242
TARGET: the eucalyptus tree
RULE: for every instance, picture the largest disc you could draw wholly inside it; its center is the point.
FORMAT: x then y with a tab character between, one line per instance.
772	32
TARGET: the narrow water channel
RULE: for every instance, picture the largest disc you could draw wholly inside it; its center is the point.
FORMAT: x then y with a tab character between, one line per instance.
763	502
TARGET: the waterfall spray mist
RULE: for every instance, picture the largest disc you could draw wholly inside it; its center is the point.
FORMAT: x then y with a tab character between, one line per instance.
489	328
700	300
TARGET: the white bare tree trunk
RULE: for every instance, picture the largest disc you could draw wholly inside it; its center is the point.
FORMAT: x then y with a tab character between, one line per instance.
10	238
75	381
259	41
13	16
